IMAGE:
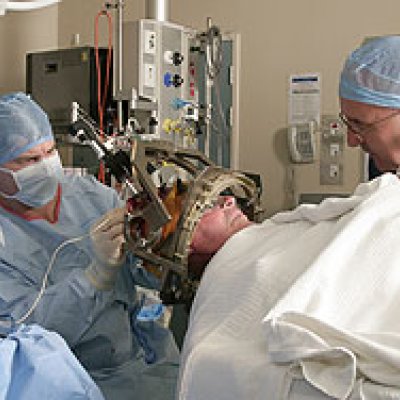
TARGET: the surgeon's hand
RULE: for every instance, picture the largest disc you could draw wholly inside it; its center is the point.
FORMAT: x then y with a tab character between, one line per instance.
107	235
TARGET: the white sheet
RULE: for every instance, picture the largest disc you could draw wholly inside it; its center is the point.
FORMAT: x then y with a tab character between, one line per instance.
333	268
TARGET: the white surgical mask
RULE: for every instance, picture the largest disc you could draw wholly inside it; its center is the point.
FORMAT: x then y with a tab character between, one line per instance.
37	183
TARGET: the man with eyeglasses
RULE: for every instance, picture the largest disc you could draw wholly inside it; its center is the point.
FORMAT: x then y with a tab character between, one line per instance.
369	93
316	315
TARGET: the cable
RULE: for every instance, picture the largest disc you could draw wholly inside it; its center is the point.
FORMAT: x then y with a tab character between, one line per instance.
213	51
214	61
44	281
217	90
48	270
101	100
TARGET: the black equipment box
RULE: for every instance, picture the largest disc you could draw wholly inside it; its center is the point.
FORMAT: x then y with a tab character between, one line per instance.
57	78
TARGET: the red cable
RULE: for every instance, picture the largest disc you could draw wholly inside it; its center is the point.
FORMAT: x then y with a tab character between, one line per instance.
101	100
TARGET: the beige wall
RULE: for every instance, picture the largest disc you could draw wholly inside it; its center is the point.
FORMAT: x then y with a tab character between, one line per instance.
22	32
78	16
278	38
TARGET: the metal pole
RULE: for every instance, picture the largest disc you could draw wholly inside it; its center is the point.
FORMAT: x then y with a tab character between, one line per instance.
208	98
158	10
208	104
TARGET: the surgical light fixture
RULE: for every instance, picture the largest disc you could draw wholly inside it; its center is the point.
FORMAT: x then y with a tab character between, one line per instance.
6	5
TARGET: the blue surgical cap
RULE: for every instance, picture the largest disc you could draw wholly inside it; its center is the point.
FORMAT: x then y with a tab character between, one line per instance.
371	74
23	125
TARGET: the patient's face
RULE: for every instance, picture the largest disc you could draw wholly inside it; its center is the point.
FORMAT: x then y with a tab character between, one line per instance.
217	225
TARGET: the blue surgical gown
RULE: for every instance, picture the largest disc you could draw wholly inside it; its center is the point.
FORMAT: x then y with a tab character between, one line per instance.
127	358
37	364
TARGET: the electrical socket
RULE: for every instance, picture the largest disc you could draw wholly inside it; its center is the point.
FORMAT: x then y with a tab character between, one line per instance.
333	171
334	149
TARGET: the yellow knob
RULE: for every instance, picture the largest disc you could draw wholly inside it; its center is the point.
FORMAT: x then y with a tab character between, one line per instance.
167	125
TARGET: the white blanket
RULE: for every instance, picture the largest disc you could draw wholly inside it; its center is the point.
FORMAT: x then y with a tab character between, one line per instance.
302	306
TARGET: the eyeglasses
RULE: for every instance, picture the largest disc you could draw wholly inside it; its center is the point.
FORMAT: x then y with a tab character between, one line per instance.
361	128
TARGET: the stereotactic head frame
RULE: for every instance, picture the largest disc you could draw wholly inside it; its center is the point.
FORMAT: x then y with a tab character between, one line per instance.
203	188
202	194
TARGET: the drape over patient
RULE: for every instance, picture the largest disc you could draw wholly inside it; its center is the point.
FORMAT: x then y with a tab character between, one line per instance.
303	306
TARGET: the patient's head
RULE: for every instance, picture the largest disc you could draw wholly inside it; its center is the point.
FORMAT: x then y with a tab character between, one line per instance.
214	228
217	225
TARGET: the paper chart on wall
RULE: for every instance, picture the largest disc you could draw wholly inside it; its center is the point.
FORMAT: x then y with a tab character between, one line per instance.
304	98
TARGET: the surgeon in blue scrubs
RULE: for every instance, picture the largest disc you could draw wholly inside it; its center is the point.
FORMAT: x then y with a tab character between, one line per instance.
75	226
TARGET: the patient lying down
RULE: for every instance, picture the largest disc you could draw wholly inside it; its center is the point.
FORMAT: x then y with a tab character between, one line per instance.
302	306
215	227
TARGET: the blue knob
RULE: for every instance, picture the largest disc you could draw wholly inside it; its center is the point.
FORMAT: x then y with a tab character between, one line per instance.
168	79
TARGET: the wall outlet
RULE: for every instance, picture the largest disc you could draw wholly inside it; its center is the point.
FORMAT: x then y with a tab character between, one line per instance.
331	174
334	150
150	42
149	75
334	171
